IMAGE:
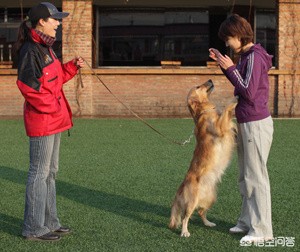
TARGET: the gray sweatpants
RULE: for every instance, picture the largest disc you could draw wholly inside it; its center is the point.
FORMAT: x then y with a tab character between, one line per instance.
254	143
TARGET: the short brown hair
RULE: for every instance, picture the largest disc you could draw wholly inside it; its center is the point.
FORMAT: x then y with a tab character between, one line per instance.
236	26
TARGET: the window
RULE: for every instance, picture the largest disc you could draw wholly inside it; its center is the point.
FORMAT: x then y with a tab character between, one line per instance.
10	20
145	37
266	31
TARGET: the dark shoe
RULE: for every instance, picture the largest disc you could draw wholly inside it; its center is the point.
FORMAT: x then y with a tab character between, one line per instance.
62	231
46	237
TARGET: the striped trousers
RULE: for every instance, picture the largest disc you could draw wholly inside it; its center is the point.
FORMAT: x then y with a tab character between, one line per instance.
40	215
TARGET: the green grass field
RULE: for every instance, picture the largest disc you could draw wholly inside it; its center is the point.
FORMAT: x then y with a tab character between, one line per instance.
117	180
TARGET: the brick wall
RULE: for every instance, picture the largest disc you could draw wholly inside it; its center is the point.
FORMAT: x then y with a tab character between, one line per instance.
77	41
157	93
151	95
11	101
288	56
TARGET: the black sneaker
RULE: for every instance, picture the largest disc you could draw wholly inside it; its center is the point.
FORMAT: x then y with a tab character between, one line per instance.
46	237
62	231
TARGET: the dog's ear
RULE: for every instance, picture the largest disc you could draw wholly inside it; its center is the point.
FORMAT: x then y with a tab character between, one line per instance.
194	105
193	101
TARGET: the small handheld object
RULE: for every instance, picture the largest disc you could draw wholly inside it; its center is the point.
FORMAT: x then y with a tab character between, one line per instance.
216	52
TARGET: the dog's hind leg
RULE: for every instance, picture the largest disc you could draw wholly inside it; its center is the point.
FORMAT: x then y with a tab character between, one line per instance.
202	212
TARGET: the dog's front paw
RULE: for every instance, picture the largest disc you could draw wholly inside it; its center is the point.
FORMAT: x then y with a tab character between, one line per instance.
231	106
185	234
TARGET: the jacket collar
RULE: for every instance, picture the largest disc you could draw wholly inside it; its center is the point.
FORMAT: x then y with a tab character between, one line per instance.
42	38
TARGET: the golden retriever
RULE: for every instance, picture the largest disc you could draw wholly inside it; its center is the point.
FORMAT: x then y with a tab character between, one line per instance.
215	141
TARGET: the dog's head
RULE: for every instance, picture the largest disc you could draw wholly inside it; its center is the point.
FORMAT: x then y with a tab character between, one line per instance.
198	99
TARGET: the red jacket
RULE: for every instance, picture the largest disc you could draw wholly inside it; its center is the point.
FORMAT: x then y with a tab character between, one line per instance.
40	79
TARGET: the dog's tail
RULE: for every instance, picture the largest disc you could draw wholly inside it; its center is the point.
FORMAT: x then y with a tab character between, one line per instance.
175	219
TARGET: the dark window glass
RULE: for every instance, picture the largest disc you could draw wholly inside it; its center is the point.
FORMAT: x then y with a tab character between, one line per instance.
10	20
147	37
266	31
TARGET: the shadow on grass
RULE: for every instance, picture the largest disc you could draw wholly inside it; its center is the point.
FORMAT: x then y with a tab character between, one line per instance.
222	227
10	225
134	209
117	204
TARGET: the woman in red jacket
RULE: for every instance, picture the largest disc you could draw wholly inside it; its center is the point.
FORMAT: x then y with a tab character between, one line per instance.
46	114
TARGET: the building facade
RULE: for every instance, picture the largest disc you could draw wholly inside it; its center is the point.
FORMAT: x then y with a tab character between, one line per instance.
149	55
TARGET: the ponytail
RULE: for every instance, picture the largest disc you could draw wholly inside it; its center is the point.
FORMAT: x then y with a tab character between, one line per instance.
24	35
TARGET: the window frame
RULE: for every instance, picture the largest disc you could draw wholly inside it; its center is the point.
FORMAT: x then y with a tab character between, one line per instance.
100	9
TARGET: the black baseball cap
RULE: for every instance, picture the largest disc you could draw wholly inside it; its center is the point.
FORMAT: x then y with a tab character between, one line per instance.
45	10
